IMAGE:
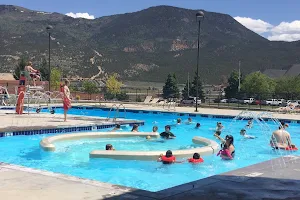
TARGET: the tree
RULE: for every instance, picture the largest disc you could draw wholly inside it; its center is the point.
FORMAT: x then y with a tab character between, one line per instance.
170	89
90	87
113	86
232	90
257	83
20	67
186	90
55	78
193	91
122	96
288	87
44	69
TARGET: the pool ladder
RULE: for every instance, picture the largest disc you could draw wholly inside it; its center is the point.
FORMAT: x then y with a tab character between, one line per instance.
116	109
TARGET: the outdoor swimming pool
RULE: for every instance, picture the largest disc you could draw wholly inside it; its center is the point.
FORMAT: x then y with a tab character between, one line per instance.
72	157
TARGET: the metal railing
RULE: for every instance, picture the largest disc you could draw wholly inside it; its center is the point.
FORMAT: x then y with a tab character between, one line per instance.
116	109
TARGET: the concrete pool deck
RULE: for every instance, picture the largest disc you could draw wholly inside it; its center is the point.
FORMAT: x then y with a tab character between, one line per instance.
266	180
11	122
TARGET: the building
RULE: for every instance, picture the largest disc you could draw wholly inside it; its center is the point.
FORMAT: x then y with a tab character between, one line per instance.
294	70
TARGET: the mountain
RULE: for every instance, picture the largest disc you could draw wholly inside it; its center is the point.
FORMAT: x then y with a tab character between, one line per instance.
144	45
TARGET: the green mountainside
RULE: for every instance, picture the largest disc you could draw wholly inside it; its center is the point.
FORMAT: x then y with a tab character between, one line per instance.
144	45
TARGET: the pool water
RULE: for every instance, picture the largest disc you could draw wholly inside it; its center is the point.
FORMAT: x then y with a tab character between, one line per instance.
72	157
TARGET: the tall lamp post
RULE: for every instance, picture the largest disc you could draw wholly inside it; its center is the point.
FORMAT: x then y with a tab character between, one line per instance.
199	17
48	29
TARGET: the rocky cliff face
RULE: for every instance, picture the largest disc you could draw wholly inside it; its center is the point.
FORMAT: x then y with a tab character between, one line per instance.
144	45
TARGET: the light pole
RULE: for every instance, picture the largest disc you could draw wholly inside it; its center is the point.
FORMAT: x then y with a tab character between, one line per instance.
48	29
199	16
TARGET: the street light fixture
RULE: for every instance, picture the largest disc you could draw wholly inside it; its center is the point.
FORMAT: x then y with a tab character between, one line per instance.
199	17
48	29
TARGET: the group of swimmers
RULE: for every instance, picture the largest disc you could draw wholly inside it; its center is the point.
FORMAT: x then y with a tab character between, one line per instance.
280	139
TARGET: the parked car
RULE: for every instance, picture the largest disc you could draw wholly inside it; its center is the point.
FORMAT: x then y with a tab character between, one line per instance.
248	100
233	100
223	100
191	100
288	102
256	102
273	102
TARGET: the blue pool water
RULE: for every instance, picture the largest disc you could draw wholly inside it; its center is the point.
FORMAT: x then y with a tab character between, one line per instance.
72	157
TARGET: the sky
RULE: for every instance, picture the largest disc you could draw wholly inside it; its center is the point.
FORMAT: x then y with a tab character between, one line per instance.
273	19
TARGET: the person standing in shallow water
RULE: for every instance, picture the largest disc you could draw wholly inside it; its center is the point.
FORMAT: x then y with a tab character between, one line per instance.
66	98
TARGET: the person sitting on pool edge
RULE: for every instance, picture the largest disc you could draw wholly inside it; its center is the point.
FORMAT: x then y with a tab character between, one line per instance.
109	147
197	125
167	134
243	133
135	128
117	128
196	158
228	151
168	158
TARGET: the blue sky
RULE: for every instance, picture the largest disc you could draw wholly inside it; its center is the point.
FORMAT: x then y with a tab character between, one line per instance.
273	19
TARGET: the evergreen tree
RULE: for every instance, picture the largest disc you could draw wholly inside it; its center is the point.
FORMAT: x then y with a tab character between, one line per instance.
232	90
90	88
193	91
20	67
44	69
186	90
170	89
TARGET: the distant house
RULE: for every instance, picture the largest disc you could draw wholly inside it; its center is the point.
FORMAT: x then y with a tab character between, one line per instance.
6	76
294	70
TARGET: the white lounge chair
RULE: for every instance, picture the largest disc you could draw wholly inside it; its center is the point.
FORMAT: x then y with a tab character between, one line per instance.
148	99
154	101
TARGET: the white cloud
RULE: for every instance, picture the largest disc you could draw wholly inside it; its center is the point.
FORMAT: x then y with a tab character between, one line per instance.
285	31
80	15
285	37
287	28
257	25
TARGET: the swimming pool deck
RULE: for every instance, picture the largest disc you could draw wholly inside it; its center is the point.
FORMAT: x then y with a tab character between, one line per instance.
266	180
11	122
208	111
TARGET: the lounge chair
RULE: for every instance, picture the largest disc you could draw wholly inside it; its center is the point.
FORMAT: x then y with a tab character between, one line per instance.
148	99
154	101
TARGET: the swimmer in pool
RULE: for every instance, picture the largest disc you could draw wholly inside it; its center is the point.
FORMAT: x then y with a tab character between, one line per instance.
117	128
167	133
243	133
196	158
250	124
228	150
109	147
197	126
168	158
189	121
135	128
155	129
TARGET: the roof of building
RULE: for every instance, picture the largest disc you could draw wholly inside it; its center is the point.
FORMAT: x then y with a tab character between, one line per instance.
6	76
293	71
274	73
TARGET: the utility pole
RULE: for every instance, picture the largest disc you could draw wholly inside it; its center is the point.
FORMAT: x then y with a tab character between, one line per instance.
239	88
188	84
